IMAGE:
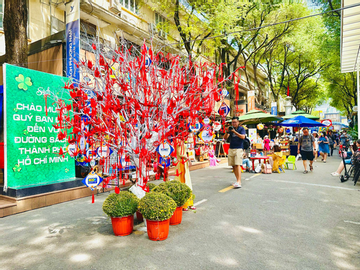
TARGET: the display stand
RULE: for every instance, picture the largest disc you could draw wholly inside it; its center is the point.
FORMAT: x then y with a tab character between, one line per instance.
200	153
220	151
285	147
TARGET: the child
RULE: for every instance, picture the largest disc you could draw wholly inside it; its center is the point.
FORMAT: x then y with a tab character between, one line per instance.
266	145
253	151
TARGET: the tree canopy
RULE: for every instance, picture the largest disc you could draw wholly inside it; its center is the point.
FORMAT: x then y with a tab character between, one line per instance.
292	55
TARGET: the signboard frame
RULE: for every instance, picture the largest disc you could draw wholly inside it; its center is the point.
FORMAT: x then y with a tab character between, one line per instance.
27	88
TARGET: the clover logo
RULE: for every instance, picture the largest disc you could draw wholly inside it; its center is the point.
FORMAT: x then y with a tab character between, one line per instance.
17	168
24	83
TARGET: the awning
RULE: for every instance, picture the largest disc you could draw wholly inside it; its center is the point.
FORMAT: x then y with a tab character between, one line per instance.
350	35
350	43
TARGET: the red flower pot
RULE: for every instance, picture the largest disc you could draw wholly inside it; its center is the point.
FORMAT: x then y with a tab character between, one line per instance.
176	217
139	216
157	230
122	225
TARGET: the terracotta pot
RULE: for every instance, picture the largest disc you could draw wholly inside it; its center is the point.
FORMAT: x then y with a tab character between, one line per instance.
122	225
177	216
139	216
158	230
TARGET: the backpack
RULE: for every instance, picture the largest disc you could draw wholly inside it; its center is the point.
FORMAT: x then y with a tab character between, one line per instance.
246	144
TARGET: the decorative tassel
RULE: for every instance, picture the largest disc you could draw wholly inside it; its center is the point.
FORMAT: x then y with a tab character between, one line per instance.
93	198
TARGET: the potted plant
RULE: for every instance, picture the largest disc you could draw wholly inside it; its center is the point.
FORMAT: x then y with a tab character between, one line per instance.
121	208
157	208
139	216
177	191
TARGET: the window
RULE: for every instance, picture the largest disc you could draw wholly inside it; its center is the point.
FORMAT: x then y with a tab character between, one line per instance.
161	25
1	13
87	35
131	5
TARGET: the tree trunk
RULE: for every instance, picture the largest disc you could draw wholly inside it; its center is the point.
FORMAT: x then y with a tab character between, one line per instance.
15	29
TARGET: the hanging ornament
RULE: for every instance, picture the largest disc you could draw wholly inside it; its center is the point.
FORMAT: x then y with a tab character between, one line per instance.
260	126
92	180
216	126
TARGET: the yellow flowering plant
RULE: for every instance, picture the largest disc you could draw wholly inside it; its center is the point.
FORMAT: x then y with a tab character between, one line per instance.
176	190
120	205
157	206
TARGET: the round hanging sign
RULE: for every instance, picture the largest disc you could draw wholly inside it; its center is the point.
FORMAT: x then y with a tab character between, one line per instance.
165	149
72	149
104	151
326	122
216	126
82	143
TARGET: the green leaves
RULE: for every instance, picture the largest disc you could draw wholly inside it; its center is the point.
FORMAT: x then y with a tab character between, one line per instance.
157	206
176	190
151	186
120	205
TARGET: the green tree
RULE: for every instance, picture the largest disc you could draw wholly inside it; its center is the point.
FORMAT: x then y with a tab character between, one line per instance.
296	62
341	87
197	20
253	46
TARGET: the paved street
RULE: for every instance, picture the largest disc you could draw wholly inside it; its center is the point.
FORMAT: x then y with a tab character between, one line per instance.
277	221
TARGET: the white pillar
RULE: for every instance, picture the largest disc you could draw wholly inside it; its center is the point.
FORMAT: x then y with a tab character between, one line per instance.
358	97
288	105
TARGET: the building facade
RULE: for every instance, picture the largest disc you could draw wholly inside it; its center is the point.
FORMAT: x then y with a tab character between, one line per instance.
110	21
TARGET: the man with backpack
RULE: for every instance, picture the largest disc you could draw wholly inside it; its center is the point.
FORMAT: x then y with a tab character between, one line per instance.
237	136
307	144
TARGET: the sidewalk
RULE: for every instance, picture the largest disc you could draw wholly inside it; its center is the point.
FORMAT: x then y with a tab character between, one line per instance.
276	221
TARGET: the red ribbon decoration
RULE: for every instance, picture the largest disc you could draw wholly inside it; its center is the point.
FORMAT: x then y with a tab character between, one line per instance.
138	103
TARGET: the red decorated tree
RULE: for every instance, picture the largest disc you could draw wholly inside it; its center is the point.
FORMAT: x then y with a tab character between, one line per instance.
129	105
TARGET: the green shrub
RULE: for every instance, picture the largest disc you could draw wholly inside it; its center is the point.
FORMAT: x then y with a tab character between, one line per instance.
157	206
176	190
120	205
151	186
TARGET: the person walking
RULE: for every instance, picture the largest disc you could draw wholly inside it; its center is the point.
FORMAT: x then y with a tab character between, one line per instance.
236	133
324	146
332	140
316	137
307	144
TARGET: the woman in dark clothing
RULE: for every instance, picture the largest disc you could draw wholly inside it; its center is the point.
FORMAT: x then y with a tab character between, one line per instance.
332	140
